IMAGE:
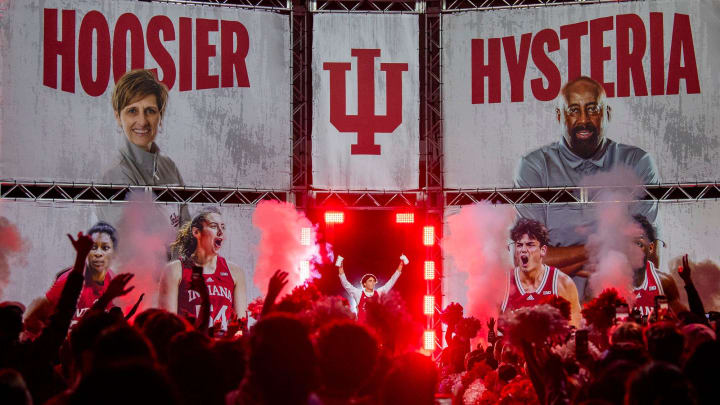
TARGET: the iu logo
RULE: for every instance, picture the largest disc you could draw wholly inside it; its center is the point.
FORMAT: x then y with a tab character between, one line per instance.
366	123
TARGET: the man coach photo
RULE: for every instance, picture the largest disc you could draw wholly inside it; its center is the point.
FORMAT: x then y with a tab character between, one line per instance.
584	150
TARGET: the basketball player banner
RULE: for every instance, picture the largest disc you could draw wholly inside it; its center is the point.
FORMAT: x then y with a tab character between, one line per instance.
503	71
227	70
141	247
365	101
478	253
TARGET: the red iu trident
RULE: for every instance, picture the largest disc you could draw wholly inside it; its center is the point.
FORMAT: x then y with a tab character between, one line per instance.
366	123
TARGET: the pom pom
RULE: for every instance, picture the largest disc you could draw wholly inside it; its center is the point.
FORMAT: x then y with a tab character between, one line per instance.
450	384
326	310
474	392
489	398
468	328
300	299
393	323
452	314
536	324
255	308
519	391
600	312
558	302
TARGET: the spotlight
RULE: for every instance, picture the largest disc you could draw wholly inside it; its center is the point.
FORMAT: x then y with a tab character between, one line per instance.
428	235
334	217
305	236
404	218
429	340
429	270
429	305
304	270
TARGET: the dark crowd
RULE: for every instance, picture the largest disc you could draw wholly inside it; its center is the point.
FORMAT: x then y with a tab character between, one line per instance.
307	348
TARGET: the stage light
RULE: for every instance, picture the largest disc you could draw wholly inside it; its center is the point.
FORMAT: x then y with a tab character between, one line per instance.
429	270
404	218
334	217
305	236
304	270
429	340
429	305
428	235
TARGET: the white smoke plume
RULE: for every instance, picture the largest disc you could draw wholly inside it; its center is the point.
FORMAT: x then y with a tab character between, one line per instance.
143	239
609	246
477	241
281	227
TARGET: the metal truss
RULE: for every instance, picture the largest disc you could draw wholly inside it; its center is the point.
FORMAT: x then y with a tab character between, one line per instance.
366	199
431	148
456	5
256	4
301	22
585	195
97	193
372	6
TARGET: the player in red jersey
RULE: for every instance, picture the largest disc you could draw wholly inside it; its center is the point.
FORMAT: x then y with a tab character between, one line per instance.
648	282
197	246
531	281
97	277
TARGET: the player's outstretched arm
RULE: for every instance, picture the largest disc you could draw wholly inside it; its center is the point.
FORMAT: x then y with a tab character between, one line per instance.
571	260
169	285
567	290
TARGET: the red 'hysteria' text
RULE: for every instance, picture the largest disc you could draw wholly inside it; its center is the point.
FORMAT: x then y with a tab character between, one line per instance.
631	44
94	32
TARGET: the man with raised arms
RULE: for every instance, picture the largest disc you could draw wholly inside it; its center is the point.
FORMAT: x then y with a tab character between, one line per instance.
531	281
368	292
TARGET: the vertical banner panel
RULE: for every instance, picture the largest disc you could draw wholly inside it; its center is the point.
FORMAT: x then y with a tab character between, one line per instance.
365	101
503	71
227	121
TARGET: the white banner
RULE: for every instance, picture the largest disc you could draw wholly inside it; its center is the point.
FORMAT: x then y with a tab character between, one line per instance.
46	250
227	121
656	60
365	101
685	229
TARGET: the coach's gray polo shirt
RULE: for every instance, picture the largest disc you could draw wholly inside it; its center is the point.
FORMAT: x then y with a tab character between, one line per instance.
554	165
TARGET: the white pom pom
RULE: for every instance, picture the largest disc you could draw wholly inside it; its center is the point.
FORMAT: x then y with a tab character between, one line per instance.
404	259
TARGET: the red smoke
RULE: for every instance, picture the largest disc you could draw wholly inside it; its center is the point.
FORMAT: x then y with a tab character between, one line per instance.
11	244
143	238
477	241
281	226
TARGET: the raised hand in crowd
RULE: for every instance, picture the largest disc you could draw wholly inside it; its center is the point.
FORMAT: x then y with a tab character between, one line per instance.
685	270
116	288
83	244
276	284
694	300
491	331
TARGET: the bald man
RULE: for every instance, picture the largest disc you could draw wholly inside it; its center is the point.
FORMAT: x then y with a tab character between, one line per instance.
583	114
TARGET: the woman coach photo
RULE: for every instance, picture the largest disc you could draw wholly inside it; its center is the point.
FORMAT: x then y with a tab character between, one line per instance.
139	101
